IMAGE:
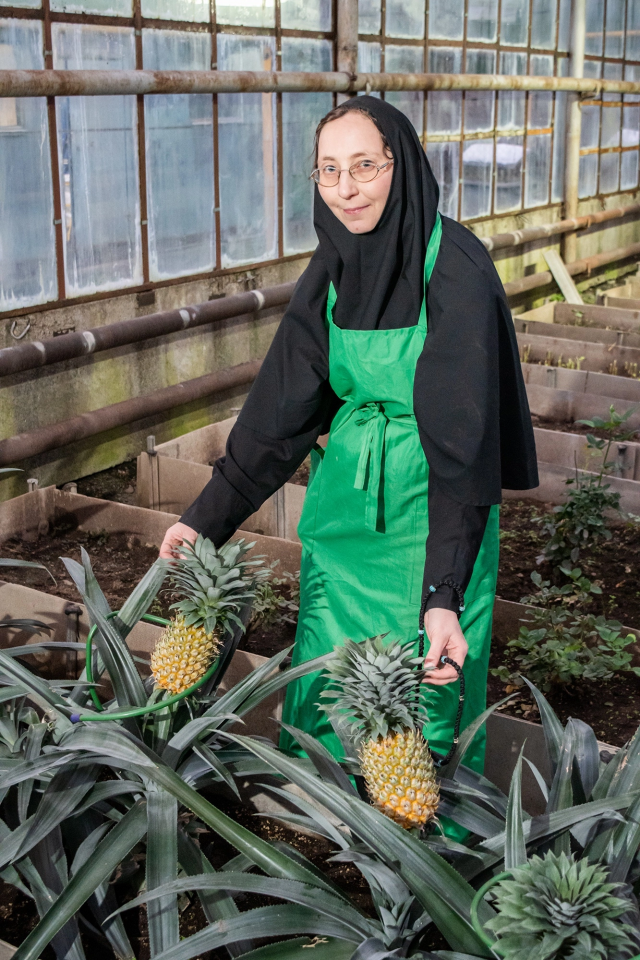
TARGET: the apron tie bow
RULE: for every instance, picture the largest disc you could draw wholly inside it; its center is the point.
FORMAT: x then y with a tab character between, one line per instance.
374	419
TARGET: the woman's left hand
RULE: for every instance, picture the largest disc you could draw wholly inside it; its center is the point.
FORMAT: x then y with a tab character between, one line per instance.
446	639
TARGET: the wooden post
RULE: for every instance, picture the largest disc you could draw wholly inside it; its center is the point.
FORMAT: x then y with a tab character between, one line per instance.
347	41
574	127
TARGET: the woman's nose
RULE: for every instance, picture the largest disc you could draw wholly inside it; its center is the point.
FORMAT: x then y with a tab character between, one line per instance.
347	186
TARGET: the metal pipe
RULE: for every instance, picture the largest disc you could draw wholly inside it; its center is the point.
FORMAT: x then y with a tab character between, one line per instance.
98	83
500	240
347	41
25	445
38	353
586	265
22	446
574	126
33	354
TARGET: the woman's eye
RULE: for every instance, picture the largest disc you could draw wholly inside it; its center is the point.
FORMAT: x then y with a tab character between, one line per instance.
329	168
366	165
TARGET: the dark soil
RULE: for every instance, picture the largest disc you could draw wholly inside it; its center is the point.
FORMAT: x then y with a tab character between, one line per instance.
614	564
572	426
117	483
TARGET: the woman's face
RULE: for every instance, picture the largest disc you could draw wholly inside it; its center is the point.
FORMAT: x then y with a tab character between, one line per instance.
342	143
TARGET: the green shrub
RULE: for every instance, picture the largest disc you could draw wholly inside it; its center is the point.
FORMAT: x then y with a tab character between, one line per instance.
581	521
560	644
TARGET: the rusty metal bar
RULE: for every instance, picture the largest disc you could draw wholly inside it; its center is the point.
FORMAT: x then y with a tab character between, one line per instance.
586	265
501	240
96	83
347	40
574	125
24	445
37	353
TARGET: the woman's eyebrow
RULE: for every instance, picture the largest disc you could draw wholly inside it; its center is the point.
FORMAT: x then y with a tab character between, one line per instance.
353	155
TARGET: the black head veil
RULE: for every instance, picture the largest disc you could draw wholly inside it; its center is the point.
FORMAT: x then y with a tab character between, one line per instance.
380	275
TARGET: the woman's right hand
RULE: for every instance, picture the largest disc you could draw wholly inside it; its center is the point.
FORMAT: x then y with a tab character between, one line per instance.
174	537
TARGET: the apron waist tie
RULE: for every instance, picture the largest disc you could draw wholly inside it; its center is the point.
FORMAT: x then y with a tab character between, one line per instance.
374	419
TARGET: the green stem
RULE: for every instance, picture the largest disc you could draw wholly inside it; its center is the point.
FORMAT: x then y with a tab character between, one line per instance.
475	903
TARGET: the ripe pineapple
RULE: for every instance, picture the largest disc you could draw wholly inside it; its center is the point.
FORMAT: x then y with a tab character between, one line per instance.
376	685
216	584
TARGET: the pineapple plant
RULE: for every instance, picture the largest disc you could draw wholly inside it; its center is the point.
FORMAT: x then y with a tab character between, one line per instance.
215	585
557	906
375	686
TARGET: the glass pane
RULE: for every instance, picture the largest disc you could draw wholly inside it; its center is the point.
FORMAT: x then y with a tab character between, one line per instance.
632	50
595	15
482	20
179	157
246	124
405	18
509	151
514	22
369	16
614	32
114	8
478	104
32	4
446	19
406	60
306	14
477	169
249	13
538	170
590	131
445	163
511	103
27	238
196	11
369	60
588	180
609	170
559	127
98	151
611	115
444	108
301	113
540	103
630	125
629	170
564	25
543	24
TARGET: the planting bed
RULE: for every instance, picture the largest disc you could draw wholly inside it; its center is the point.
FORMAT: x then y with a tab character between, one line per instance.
612	708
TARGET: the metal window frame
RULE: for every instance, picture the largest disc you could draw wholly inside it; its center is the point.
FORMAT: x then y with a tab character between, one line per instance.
139	23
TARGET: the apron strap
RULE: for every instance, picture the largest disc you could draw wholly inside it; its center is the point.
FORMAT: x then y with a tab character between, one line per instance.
373	418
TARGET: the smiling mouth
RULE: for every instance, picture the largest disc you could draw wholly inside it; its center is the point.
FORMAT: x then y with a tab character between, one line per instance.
352	210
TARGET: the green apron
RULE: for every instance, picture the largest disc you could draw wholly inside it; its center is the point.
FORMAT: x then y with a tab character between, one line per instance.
364	528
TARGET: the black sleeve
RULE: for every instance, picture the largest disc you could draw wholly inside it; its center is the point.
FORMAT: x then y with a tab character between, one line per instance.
455	535
289	405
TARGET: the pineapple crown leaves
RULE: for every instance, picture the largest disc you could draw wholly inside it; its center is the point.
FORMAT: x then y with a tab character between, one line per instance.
377	686
215	583
559	906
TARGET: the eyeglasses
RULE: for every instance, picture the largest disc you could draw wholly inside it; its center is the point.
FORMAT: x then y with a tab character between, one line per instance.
363	171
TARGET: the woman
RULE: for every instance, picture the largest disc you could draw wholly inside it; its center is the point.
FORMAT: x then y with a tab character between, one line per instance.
400	519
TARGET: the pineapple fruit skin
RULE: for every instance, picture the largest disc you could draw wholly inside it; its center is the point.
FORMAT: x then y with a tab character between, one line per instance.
400	777
182	655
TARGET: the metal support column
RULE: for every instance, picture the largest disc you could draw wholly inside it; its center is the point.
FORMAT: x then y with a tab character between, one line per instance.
574	127
347	41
